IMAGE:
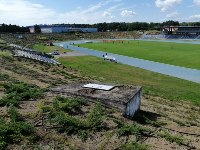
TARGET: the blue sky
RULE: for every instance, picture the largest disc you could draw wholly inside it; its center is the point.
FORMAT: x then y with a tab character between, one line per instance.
29	12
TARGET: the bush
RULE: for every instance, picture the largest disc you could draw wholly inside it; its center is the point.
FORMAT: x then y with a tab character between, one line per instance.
17	92
10	99
96	116
12	132
14	115
67	104
25	91
75	126
134	146
172	138
3	77
69	124
127	129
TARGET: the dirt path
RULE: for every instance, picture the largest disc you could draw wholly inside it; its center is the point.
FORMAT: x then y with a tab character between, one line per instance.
71	54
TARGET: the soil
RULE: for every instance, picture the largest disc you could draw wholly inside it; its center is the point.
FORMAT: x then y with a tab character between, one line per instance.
71	54
179	118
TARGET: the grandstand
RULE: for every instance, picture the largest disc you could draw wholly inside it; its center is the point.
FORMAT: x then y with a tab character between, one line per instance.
176	32
182	30
32	54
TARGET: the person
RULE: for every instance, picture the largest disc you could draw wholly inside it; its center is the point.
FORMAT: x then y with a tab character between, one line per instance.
103	57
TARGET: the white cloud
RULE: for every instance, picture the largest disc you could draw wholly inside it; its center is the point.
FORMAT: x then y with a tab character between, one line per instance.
127	13
107	14
197	2
172	15
164	5
195	17
23	12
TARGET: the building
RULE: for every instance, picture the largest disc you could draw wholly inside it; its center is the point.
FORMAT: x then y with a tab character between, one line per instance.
61	29
182	30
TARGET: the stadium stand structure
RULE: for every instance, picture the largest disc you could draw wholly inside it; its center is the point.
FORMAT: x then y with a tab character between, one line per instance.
178	32
32	54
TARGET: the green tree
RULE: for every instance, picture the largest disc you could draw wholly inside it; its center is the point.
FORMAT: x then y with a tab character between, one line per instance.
37	29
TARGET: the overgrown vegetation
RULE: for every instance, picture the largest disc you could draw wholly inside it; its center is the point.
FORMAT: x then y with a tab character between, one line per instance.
13	131
61	114
133	146
17	92
4	77
68	105
127	129
172	138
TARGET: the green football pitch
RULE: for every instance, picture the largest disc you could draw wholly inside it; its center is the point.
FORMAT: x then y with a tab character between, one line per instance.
185	55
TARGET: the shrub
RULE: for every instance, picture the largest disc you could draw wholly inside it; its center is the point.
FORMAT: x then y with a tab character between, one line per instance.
172	138
96	116
14	115
68	104
69	124
17	92
25	91
3	77
127	129
134	146
13	131
75	126
10	99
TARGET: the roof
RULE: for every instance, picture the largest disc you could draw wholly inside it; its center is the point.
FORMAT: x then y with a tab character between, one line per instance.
50	26
119	93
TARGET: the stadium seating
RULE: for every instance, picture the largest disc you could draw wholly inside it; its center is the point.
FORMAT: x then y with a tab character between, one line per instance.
32	54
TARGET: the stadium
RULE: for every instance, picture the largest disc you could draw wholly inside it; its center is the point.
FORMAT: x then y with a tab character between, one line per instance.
67	96
176	32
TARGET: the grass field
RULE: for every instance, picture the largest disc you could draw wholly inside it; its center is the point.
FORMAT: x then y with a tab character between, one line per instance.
153	83
49	49
185	55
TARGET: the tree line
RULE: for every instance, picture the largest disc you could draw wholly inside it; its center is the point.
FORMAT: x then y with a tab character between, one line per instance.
13	29
134	26
102	27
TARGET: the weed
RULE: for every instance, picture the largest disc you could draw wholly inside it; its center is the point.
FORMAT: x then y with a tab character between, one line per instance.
134	129
67	104
17	92
3	77
172	138
13	131
133	146
74	126
14	115
96	116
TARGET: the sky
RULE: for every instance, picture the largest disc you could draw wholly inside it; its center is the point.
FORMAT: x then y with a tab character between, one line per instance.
31	12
